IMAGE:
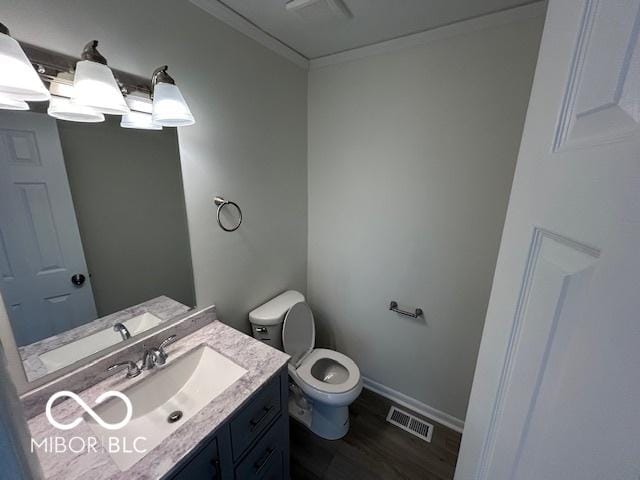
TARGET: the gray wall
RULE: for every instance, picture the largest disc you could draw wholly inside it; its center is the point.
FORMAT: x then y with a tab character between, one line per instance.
411	157
127	192
249	142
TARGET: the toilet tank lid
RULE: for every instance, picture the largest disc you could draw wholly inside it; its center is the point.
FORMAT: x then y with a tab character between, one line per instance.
273	312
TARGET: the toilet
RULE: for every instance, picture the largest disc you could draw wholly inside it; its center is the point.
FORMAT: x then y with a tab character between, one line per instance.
323	382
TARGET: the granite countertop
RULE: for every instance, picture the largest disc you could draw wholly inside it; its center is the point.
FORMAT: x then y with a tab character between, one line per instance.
261	362
162	307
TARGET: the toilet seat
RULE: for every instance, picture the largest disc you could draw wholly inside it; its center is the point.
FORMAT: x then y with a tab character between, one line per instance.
298	333
305	374
298	339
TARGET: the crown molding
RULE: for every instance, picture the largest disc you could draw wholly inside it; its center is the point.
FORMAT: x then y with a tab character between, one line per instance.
236	21
530	10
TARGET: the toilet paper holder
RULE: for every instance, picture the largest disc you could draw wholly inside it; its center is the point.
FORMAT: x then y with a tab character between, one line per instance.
393	306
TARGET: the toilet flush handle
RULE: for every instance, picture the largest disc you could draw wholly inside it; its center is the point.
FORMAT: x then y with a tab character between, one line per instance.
261	330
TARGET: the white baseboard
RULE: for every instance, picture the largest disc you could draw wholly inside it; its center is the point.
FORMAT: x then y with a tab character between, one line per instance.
415	405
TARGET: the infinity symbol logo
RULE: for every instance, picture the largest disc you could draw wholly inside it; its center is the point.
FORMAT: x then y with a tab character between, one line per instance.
89	410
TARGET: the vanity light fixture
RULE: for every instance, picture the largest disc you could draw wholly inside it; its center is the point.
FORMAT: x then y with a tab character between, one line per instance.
9	103
60	105
64	109
169	107
18	78
139	120
139	101
94	84
140	115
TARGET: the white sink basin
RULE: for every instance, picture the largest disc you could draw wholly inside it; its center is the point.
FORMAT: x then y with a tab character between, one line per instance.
185	385
74	351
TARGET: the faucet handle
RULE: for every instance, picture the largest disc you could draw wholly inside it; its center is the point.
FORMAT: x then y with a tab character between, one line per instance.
132	368
161	355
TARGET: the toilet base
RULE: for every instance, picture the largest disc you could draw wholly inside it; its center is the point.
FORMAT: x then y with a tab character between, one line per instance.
299	413
329	422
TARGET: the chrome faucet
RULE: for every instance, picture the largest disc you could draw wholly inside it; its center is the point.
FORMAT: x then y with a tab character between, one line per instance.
132	368
122	330
156	355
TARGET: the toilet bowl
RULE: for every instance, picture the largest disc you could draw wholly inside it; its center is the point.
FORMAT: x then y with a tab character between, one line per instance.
329	380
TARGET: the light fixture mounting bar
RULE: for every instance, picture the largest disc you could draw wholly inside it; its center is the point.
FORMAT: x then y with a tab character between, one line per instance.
49	64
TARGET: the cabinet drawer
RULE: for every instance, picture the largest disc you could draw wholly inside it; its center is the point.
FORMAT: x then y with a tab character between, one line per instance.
205	463
255	417
264	461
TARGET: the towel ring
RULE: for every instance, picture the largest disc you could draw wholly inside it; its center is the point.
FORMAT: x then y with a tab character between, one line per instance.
221	202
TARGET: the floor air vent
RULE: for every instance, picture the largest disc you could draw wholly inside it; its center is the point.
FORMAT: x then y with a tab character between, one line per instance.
410	423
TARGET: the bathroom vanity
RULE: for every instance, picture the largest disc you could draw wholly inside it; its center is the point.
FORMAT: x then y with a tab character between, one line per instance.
231	391
253	444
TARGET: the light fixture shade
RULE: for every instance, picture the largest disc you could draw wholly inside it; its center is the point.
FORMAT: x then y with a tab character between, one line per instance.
139	101
18	78
169	107
10	103
95	86
65	109
139	120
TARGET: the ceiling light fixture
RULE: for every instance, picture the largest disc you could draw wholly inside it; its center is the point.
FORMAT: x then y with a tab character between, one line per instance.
94	84
320	8
18	78
169	106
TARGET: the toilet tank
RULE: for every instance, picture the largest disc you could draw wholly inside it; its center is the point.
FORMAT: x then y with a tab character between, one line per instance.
266	320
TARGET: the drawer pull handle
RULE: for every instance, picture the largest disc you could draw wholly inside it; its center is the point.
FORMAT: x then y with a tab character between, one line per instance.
255	422
259	465
215	463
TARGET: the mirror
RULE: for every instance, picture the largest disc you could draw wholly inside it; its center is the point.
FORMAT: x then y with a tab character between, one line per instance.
94	245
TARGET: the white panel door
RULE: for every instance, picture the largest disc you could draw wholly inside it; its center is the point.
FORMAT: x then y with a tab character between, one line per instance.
40	247
556	393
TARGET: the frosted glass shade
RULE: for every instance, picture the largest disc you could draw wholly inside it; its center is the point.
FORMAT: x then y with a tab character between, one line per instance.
169	107
140	120
10	103
18	78
139	101
65	109
94	86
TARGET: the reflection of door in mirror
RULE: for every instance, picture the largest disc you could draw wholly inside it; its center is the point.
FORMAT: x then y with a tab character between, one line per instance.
94	244
44	283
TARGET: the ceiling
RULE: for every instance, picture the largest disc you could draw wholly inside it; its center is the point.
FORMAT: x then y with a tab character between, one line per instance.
314	32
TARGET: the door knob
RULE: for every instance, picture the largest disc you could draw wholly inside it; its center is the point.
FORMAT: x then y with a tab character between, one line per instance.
78	279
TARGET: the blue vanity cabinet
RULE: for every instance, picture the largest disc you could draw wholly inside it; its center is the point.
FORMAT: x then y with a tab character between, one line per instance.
253	444
204	463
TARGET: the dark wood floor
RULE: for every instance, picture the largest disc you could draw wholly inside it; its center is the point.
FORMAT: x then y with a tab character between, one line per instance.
373	449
